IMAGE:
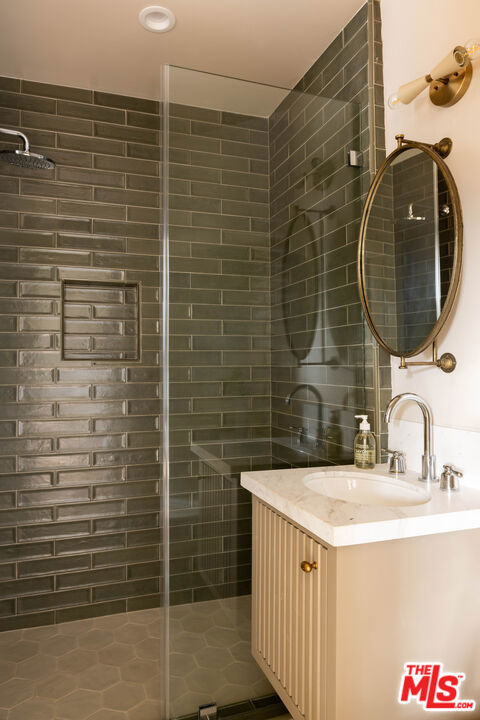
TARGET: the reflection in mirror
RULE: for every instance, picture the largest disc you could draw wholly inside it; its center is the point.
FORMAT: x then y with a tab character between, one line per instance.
300	315
409	250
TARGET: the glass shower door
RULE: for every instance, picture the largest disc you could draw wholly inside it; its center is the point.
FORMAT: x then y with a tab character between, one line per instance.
266	348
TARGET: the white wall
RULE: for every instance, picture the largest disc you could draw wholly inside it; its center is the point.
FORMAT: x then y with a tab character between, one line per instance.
417	34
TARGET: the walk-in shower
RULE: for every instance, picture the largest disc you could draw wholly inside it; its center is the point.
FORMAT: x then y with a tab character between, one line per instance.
178	299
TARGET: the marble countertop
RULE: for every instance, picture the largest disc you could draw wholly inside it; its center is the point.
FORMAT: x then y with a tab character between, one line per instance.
341	523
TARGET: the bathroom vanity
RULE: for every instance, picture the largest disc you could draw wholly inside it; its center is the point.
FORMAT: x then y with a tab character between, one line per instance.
347	588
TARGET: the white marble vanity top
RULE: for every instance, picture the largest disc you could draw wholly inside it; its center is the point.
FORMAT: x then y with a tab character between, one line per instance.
341	523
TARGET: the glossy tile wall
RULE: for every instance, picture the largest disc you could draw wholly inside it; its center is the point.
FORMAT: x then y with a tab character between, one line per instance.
79	450
415	193
379	267
220	337
320	349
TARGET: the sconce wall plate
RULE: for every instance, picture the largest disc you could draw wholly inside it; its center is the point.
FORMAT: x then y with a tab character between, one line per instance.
447	82
450	90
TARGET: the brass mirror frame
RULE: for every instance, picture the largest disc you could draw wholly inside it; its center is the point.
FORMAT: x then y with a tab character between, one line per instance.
436	152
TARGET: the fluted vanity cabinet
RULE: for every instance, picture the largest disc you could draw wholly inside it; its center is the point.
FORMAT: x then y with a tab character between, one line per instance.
289	610
333	641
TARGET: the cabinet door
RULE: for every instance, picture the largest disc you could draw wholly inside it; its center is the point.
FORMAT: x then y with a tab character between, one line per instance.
288	634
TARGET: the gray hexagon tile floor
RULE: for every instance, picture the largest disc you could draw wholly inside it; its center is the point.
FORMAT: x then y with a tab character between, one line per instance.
108	668
210	659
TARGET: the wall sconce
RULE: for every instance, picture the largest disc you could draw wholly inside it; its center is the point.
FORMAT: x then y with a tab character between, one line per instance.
448	81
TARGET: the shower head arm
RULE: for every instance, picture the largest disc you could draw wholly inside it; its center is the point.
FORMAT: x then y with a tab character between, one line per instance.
19	134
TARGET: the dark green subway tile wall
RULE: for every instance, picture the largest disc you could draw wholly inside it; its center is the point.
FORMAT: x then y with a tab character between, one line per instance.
220	335
79	499
322	373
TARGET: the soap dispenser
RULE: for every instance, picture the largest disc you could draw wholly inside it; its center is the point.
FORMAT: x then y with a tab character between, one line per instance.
364	445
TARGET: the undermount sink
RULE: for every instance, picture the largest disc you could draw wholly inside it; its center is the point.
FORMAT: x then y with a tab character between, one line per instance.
366	488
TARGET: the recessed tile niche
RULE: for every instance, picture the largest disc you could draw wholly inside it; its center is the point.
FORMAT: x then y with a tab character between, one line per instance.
100	321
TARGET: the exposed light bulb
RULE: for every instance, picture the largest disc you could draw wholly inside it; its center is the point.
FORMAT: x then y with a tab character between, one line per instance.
473	48
394	101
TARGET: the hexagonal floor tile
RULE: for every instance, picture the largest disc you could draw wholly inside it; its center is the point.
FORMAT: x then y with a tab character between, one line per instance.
209	657
37	667
144	617
261	687
227	694
155	629
241	673
138	671
208	607
56	686
95	639
123	696
99	677
78	660
180	611
149	649
78	705
186	703
35	709
203	680
110	622
9	637
186	642
153	687
41	633
7	670
197	623
76	627
116	654
242	652
224	619
221	637
147	710
106	714
59	645
131	633
20	650
15	691
181	664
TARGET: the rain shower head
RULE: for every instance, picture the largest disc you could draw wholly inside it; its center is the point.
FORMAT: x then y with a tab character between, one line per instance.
24	158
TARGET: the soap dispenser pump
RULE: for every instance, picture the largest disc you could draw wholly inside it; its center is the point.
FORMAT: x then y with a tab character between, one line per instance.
364	445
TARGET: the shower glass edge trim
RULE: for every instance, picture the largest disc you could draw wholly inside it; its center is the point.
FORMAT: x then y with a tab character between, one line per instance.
165	391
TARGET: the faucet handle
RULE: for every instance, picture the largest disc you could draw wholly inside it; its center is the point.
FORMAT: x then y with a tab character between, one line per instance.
397	461
449	480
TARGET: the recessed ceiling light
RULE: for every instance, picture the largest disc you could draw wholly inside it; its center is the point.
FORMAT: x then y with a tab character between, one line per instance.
157	19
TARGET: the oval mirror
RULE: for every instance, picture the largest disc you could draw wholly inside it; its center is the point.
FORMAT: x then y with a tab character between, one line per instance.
410	250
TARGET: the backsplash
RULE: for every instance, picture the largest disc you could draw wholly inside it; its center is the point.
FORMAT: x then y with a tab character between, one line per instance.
452	446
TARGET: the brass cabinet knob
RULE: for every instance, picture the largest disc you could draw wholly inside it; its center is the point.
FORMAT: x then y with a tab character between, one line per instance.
308	567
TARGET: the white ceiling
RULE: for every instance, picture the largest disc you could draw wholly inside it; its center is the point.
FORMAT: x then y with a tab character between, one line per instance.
99	44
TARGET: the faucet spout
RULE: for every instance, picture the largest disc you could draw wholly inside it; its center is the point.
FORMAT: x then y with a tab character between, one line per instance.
429	473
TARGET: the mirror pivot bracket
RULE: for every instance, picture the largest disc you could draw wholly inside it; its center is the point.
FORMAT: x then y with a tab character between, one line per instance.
446	362
443	147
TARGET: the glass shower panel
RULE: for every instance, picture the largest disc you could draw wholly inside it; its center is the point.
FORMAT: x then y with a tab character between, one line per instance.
266	358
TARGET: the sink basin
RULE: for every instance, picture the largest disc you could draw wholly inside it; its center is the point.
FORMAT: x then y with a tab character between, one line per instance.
366	488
